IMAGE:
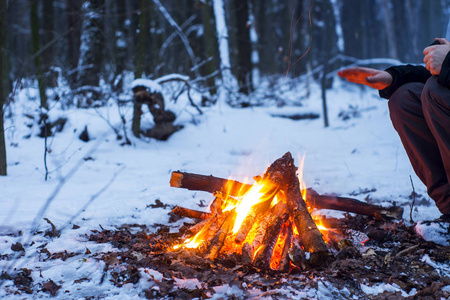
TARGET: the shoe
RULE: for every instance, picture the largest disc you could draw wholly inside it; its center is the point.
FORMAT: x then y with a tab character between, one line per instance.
436	231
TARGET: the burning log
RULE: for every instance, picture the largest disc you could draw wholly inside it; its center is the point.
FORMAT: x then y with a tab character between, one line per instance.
210	184
190	213
255	212
219	239
208	232
277	218
310	237
285	260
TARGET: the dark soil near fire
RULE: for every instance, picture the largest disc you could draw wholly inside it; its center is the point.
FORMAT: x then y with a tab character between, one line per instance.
394	254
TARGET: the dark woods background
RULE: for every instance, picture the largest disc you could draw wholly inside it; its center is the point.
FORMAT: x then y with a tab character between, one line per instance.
89	41
89	51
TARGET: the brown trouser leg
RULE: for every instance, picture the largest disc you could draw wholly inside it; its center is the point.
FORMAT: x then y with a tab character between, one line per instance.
421	115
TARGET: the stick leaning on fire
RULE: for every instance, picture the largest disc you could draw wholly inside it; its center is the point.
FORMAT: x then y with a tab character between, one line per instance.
267	219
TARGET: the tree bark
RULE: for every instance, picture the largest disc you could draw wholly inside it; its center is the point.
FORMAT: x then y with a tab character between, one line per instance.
209	45
49	28
74	20
278	216
387	7
244	47
3	87
34	23
310	237
92	43
224	52
190	213
139	64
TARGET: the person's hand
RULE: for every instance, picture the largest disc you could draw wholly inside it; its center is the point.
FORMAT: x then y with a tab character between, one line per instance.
435	55
371	77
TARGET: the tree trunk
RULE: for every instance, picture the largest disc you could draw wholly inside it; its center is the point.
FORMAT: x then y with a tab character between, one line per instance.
49	28
3	87
140	62
34	23
244	47
209	45
224	52
92	44
74	20
387	7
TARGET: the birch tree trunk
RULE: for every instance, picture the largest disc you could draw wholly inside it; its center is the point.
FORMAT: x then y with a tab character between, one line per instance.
224	52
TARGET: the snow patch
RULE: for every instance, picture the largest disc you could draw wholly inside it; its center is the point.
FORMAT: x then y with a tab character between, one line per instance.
436	232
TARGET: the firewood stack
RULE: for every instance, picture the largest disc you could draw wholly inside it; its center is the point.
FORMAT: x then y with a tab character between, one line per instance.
277	229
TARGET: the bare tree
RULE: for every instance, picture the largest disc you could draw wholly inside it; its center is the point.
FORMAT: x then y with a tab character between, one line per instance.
3	78
244	46
34	23
140	60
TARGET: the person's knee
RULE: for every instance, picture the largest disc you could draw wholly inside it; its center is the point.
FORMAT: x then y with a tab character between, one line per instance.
405	99
433	93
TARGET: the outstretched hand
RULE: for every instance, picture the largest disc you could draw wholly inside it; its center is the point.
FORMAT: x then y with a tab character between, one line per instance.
371	77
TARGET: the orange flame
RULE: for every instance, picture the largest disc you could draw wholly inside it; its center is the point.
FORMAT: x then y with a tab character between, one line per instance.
251	198
300	178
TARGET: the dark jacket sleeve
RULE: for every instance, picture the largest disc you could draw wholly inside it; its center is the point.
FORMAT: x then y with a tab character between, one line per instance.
404	74
444	75
409	73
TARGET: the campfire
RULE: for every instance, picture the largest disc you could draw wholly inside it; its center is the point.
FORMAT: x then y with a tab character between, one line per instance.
268	224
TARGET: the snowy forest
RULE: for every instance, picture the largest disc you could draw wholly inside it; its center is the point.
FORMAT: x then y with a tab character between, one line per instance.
80	48
102	101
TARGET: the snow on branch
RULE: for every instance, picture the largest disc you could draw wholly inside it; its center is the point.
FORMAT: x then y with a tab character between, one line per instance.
151	85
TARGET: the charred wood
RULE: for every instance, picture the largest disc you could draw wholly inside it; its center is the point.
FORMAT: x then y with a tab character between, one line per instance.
285	261
219	238
191	213
278	216
255	212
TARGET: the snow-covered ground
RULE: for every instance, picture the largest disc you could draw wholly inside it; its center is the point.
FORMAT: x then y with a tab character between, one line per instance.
101	183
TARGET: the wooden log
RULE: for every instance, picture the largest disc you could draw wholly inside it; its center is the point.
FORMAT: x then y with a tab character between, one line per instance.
191	213
193	230
209	231
210	184
352	205
278	216
310	237
297	256
219	238
255	212
259	230
285	261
